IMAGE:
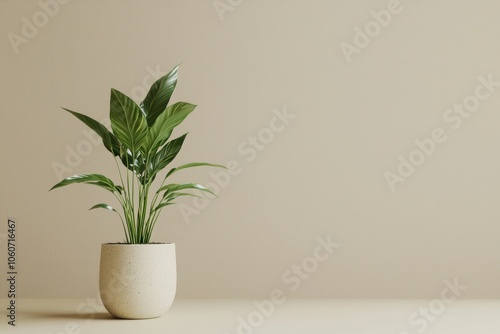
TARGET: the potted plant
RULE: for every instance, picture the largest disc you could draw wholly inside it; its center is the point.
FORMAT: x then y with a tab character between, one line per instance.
137	278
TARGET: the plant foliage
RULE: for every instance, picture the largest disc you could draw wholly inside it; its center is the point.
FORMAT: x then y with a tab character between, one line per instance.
140	140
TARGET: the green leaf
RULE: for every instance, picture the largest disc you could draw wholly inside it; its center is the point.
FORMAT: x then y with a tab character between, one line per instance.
163	204
127	121
94	179
119	189
103	206
164	156
169	188
108	139
159	95
167	200
175	114
136	164
173	195
160	131
192	164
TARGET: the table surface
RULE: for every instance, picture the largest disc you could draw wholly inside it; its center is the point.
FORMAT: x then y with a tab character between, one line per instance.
237	316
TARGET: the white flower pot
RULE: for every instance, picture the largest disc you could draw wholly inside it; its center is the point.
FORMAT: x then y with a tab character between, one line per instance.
137	281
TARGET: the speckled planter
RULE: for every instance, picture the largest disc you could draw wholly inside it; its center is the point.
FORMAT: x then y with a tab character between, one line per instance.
137	281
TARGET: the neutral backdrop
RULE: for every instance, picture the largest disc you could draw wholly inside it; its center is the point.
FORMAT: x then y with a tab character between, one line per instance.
323	174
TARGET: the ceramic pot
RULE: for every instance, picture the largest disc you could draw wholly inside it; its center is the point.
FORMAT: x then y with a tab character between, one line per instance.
137	281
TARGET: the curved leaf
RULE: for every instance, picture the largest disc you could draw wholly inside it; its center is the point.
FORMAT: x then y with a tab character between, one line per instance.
161	130
164	156
168	199
127	121
108	139
108	207
159	95
103	206
193	164
173	195
119	189
163	204
169	188
175	114
94	179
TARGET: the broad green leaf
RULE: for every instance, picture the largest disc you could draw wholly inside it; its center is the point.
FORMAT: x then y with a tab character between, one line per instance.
127	121
154	140
159	95
164	156
160	131
108	139
192	164
175	114
94	179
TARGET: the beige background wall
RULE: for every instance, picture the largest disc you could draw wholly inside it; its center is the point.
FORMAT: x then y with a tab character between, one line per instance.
321	174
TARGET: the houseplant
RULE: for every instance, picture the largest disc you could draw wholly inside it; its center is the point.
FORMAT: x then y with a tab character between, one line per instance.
138	278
